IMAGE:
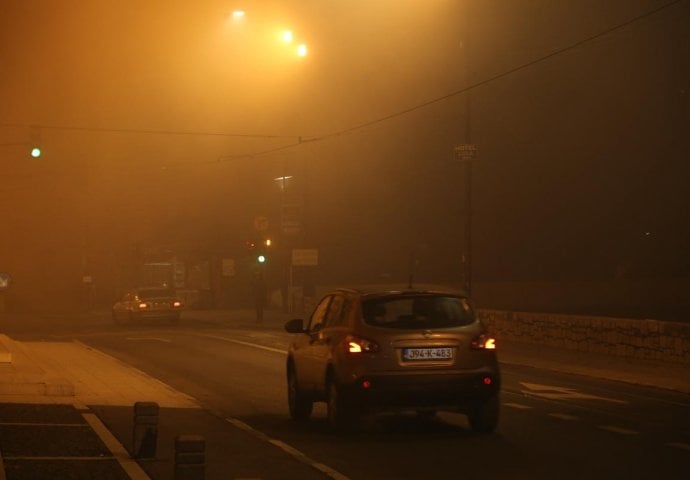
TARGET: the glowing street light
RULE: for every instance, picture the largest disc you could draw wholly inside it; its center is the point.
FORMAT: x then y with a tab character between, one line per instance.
302	50
238	15
287	36
35	152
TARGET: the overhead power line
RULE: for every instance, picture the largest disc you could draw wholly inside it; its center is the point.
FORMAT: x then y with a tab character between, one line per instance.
503	74
467	88
317	138
144	131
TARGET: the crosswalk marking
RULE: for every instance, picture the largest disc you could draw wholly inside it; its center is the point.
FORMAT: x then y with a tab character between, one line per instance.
614	429
519	406
552	392
128	464
563	416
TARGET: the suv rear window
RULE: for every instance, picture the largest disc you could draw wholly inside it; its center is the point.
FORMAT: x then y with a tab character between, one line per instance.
417	311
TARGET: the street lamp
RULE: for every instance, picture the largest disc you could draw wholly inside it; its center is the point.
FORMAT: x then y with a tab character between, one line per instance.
288	37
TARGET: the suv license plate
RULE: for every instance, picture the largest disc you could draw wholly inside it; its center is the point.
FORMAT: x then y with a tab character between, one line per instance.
438	353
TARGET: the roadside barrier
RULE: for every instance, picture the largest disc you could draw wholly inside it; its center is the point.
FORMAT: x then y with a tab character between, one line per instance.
145	435
190	457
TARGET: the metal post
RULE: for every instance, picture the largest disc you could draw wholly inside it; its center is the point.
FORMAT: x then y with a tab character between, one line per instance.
468	227
468	163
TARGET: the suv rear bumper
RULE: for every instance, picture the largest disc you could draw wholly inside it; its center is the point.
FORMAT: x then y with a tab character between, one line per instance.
443	391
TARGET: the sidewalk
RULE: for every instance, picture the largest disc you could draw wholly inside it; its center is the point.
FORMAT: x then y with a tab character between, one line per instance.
66	410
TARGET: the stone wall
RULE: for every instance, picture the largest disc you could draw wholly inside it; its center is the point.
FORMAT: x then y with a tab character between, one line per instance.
646	339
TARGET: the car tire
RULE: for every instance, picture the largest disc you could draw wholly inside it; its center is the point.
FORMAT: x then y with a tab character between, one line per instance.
483	417
341	415
299	404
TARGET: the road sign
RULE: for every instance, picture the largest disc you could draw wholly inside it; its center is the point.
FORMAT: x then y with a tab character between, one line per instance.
465	152
228	267
305	257
291	218
261	224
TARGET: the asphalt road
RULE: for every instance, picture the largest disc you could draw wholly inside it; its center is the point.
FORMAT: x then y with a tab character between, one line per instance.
553	425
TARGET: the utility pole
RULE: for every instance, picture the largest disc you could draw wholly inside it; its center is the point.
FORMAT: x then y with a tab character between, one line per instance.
467	158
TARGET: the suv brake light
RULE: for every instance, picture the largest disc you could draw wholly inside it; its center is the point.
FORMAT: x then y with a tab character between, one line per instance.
355	345
484	342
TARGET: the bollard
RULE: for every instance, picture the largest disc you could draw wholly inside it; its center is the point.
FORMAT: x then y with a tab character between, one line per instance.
145	435
190	457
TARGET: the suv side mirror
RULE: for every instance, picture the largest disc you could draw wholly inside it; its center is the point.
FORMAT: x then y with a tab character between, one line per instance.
296	325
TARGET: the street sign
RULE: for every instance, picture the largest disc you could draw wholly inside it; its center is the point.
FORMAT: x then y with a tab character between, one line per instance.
228	267
465	152
305	257
261	224
291	218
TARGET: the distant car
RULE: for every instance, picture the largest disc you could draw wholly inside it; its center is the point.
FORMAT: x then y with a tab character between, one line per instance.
409	350
148	303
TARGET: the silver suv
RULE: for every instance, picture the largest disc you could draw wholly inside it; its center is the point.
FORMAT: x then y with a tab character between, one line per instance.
368	351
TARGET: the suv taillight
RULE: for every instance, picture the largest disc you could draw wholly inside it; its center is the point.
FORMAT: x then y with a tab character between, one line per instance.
484	342
354	345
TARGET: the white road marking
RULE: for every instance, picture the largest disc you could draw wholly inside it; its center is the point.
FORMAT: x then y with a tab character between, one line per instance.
131	467
240	342
683	446
153	339
552	392
563	416
290	450
59	458
519	406
26	424
614	429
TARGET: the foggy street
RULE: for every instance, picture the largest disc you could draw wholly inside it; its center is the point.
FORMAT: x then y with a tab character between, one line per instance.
552	424
487	196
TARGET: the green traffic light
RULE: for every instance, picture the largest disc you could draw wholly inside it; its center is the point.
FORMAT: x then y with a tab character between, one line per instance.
35	152
261	258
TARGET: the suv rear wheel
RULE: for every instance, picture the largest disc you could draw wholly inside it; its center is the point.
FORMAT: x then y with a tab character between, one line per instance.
299	404
341	415
483	417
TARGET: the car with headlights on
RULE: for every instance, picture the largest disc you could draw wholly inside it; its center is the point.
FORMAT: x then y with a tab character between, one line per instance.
365	351
147	303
